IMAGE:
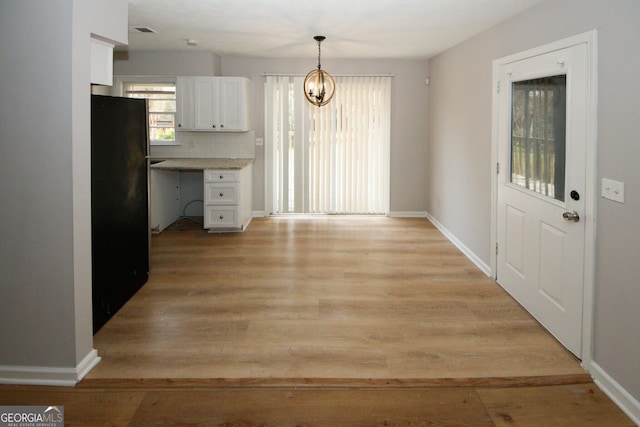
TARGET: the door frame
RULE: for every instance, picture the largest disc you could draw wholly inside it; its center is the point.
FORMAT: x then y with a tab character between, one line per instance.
590	39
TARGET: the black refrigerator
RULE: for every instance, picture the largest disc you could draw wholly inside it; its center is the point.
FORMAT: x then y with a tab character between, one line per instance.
119	202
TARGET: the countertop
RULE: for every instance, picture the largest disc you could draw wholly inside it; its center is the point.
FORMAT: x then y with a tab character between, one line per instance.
201	164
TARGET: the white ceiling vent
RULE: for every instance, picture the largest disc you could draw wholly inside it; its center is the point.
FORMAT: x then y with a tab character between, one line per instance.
141	29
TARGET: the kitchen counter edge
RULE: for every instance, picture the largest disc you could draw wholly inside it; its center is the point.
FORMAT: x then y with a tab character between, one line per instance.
200	164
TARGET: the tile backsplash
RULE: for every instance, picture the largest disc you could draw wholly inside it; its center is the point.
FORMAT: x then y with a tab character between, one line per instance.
194	145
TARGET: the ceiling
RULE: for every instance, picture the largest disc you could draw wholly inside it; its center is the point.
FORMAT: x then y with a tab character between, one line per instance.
285	28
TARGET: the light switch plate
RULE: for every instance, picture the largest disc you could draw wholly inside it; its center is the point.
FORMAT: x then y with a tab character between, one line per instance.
613	190
259	141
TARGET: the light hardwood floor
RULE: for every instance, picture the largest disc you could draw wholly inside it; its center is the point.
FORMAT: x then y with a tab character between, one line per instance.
325	321
323	298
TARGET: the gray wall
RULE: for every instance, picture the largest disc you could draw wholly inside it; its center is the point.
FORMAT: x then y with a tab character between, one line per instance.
45	144
154	63
36	254
459	166
409	104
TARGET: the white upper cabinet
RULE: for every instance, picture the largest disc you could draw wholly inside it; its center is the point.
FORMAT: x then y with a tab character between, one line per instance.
107	20
184	103
233	92
215	104
101	62
206	99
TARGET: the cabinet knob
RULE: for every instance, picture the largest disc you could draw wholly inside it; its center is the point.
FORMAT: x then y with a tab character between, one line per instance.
221	194
214	126
221	126
179	125
221	177
221	216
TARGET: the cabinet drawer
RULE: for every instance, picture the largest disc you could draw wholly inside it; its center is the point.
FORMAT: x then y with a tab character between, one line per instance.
221	194
221	217
212	175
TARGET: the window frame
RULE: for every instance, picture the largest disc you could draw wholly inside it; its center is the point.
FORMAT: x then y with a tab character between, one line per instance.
119	85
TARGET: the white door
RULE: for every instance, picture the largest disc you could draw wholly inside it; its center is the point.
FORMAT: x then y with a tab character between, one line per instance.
541	191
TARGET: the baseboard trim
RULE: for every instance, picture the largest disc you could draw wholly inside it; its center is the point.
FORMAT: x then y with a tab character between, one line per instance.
48	376
408	214
464	249
616	392
396	214
87	364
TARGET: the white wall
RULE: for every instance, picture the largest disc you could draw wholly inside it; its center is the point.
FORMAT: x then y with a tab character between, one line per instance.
45	255
459	179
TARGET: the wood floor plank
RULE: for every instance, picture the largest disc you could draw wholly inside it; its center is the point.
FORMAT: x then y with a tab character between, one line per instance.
89	407
333	383
447	361
327	407
176	402
322	297
553	406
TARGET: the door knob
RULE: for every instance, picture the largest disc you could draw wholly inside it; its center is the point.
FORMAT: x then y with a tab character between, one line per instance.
571	216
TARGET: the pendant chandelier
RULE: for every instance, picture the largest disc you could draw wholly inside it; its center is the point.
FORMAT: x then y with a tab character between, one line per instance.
319	86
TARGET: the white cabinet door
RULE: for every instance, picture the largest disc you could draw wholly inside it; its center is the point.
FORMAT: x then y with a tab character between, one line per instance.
215	104
184	103
206	103
233	103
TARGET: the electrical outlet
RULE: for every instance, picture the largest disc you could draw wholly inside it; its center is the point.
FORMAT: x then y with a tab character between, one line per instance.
613	190
259	141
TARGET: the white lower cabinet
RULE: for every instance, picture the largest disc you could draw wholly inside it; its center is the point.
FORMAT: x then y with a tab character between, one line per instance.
165	198
221	217
227	199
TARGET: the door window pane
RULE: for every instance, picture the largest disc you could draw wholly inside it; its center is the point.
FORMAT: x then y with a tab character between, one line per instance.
538	128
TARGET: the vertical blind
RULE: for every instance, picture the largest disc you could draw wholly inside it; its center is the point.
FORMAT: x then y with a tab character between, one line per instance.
340	151
284	148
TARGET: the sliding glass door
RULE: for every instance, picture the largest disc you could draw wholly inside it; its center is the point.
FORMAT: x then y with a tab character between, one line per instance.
331	159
